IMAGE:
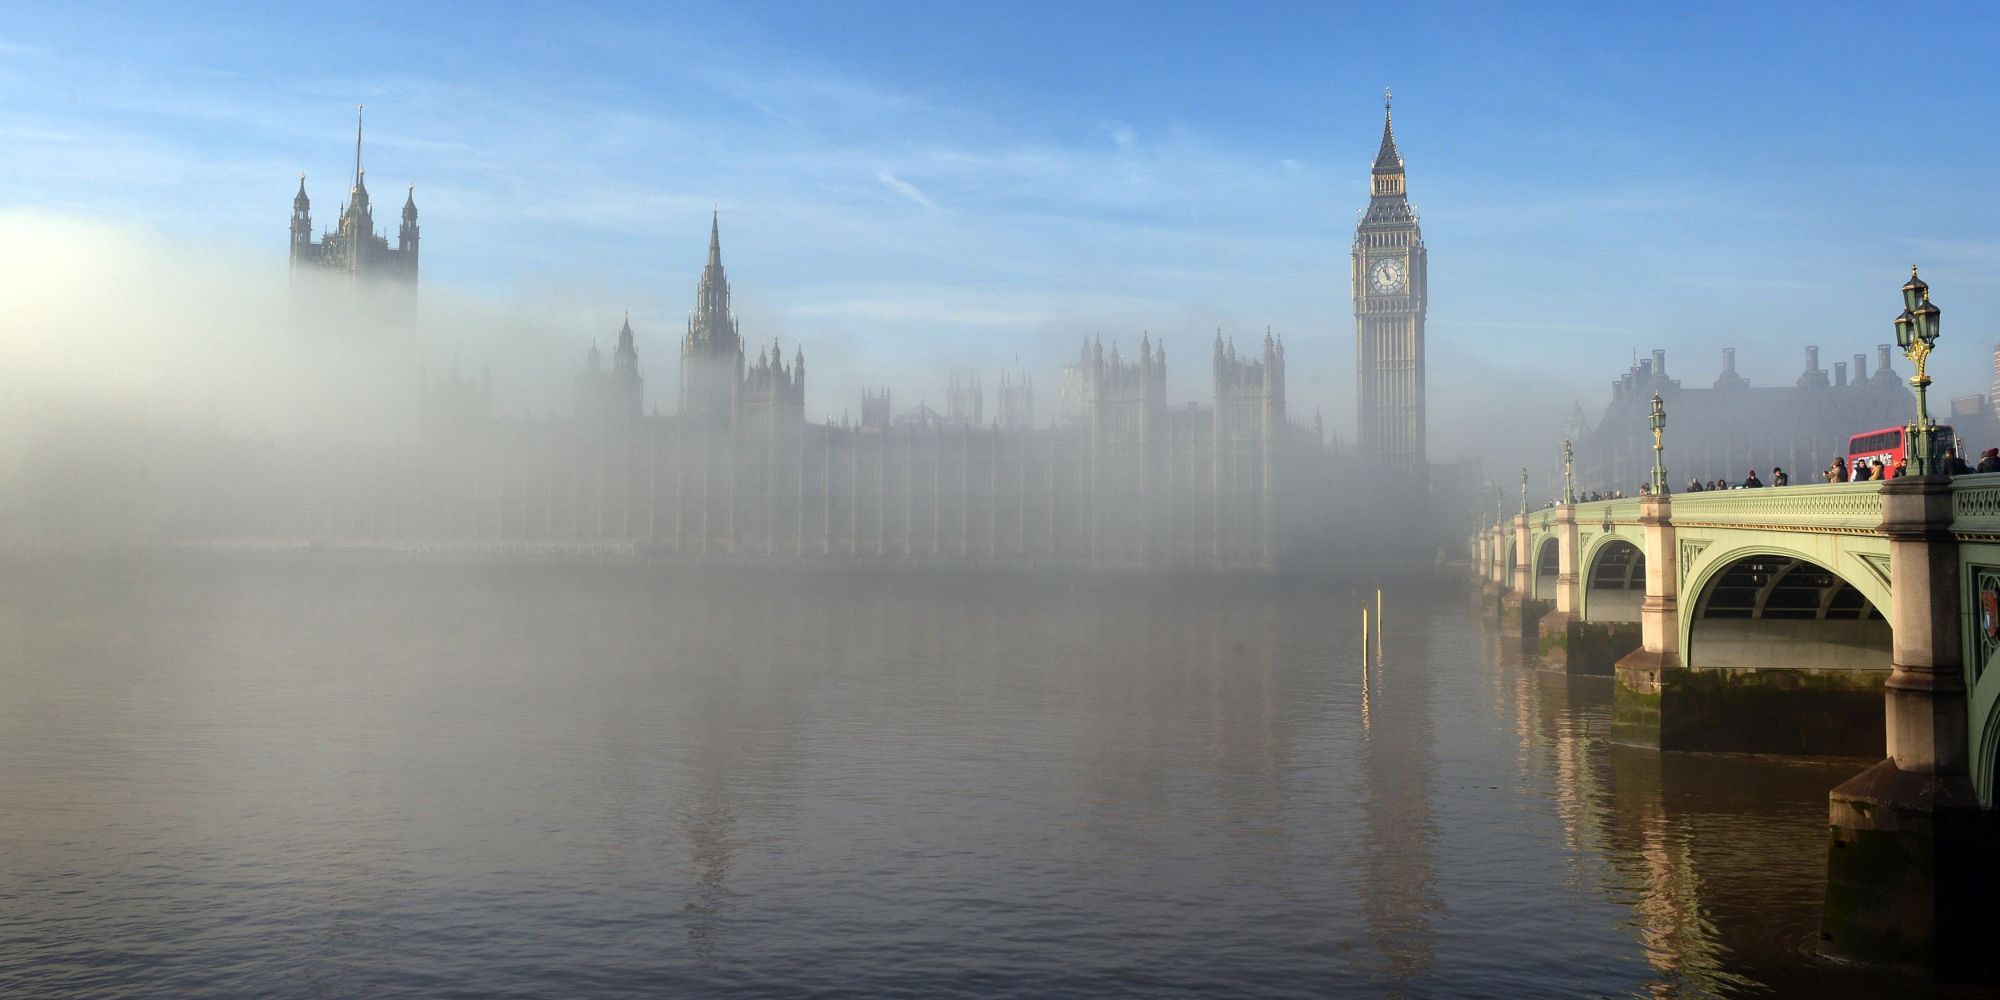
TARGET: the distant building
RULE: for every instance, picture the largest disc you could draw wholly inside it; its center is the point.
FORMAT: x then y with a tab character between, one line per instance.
1725	430
617	394
875	409
353	249
1016	402
1994	396
965	401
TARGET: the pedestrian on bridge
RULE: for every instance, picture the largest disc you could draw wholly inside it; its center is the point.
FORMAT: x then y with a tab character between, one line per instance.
1751	482
1954	465
1778	477
1694	485
1989	460
1837	472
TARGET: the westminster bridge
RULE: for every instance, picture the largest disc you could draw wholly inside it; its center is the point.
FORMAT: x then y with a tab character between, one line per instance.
1854	619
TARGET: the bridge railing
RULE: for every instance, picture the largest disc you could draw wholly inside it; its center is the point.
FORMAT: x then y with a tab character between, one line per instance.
1846	508
1596	512
1975	506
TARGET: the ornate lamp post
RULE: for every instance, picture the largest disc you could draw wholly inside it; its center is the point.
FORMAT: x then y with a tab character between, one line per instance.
1659	421
1916	332
1524	489
1569	488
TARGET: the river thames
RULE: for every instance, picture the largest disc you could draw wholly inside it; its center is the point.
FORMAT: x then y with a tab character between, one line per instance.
348	776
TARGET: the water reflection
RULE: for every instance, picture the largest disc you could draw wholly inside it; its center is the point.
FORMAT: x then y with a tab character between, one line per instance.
1398	762
1719	856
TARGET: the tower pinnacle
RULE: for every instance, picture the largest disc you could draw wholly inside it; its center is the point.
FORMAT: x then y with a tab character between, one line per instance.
1387	159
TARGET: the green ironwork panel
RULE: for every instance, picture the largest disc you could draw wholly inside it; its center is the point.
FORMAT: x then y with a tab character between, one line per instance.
1975	506
1980	607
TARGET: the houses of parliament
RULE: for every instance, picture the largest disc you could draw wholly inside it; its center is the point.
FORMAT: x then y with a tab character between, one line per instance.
1117	475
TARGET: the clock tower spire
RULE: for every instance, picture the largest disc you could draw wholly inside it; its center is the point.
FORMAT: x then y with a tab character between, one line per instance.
1388	271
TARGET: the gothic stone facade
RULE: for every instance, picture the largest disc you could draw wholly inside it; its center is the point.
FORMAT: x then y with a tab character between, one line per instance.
738	472
354	250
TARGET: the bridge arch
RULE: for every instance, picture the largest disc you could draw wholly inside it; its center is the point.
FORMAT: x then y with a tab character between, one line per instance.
1547	566
1614	581
1764	607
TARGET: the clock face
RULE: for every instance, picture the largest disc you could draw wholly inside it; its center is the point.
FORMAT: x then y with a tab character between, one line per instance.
1386	276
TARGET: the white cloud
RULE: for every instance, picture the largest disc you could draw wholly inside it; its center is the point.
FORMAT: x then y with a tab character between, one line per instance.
906	189
1120	134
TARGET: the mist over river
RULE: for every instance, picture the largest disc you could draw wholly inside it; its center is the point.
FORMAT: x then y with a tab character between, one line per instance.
378	776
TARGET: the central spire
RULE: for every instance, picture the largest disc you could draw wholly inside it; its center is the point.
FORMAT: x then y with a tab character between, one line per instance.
357	145
712	293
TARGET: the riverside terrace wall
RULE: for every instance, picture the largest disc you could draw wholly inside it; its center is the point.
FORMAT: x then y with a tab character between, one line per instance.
1194	493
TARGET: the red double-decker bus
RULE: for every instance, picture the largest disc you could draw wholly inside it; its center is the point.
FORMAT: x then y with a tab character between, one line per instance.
1889	445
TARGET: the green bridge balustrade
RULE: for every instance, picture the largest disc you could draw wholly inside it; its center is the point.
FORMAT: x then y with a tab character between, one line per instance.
1852	618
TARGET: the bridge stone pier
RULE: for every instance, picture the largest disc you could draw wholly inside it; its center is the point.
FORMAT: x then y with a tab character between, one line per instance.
1519	610
1850	619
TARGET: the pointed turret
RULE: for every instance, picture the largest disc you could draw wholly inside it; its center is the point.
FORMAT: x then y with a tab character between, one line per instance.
302	236
627	355
406	237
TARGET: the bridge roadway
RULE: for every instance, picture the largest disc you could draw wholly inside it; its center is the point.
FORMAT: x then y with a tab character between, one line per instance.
1853	618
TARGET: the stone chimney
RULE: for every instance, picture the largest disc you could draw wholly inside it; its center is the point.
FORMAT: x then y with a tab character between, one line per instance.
1729	379
1814	376
1883	371
1840	374
1860	368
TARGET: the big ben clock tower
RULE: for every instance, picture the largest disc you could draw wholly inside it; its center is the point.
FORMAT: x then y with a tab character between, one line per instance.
1389	299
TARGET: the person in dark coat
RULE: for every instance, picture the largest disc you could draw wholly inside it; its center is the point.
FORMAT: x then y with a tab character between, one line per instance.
1837	472
1989	460
1778	477
1954	465
1694	485
1751	481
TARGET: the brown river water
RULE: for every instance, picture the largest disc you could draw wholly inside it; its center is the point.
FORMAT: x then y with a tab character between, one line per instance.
354	776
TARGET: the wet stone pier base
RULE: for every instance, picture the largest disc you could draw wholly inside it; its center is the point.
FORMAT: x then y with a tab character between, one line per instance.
1570	645
1910	875
1519	617
1826	714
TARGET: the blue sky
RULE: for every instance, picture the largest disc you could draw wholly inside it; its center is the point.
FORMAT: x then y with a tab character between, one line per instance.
913	188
